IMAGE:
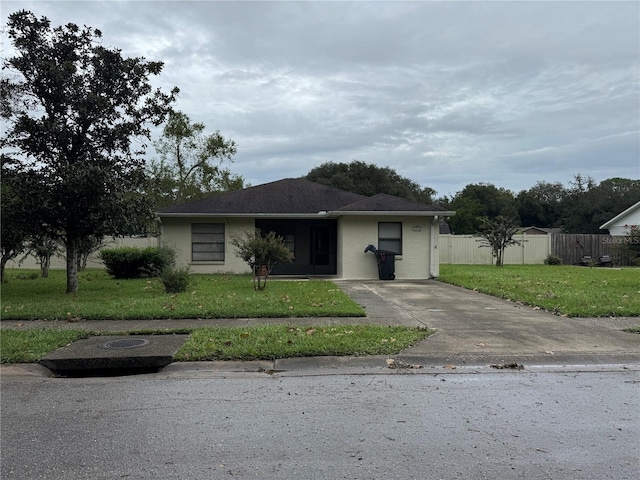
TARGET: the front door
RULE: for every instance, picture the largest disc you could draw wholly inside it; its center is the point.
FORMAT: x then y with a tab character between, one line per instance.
323	249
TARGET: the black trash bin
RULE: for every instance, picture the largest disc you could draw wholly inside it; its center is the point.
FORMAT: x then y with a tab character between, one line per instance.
386	262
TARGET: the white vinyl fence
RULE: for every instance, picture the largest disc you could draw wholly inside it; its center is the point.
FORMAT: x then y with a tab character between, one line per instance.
59	262
467	249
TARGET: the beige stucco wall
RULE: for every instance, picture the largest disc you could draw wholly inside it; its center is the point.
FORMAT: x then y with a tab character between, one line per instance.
356	232
176	233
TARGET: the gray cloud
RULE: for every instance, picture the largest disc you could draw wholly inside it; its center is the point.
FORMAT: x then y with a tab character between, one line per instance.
446	93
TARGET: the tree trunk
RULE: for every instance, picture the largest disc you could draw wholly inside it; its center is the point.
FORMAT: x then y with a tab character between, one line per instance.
82	261
72	266
260	274
6	256
3	263
45	262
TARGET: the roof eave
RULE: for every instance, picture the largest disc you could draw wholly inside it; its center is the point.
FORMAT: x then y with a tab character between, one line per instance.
605	226
404	213
323	214
244	215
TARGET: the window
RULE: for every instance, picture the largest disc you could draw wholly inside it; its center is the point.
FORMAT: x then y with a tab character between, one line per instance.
390	237
290	242
207	242
283	228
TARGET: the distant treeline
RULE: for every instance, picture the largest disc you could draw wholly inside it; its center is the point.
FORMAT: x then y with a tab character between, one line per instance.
580	207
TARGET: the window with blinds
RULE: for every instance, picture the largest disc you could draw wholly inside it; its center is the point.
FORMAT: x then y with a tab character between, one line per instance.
390	237
207	242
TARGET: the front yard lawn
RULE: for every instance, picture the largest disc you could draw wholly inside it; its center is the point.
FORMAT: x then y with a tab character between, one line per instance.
27	297
562	289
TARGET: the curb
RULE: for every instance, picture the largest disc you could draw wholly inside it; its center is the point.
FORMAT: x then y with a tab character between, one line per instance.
367	365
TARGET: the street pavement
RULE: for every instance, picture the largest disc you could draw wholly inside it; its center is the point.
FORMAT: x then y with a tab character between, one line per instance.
507	425
472	330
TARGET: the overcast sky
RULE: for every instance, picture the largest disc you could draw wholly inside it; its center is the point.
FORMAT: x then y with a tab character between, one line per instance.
445	93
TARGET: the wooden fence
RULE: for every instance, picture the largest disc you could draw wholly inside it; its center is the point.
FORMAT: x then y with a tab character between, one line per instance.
571	248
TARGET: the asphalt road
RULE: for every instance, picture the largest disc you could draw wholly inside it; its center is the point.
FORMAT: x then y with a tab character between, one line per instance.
530	424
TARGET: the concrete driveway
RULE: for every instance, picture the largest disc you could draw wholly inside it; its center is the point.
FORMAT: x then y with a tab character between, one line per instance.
473	328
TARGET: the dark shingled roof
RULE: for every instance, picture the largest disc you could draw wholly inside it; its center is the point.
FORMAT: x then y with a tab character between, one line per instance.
295	196
383	202
288	196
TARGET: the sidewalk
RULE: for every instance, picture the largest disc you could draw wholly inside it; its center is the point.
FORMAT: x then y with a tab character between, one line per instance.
472	329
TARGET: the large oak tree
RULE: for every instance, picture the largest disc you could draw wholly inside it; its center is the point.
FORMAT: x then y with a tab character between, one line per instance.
369	179
76	107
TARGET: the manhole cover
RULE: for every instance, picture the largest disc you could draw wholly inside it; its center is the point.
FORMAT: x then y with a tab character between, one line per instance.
127	343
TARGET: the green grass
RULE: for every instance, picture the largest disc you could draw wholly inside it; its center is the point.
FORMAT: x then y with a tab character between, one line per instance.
564	290
28	297
208	296
252	343
27	346
275	341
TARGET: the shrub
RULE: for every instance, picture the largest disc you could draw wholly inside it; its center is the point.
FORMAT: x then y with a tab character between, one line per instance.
175	280
261	253
131	262
553	260
27	276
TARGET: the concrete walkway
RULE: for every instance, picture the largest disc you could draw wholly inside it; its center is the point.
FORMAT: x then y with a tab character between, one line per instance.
471	328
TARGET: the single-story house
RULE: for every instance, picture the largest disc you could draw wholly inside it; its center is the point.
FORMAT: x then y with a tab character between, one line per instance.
619	225
326	228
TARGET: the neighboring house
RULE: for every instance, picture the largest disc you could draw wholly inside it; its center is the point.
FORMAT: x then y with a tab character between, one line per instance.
619	225
327	229
540	230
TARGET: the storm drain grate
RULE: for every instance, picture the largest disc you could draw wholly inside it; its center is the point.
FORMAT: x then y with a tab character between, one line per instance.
127	343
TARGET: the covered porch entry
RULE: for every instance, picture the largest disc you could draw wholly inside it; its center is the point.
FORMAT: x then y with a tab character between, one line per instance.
313	242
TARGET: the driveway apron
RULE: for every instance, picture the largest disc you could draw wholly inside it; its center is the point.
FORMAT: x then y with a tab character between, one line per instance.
473	328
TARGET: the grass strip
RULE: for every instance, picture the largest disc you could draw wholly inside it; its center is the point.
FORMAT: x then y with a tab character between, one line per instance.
561	289
27	346
270	342
224	343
